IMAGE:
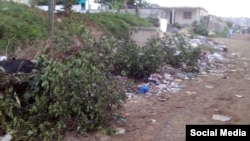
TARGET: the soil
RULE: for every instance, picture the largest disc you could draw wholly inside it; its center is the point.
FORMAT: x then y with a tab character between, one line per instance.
164	117
94	29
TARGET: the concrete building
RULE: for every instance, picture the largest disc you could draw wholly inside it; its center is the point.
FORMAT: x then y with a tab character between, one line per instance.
185	15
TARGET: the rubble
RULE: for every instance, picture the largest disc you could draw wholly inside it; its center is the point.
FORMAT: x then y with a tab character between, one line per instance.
212	61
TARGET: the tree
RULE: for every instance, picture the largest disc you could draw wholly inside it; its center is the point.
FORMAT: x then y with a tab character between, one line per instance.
125	5
229	24
67	4
33	3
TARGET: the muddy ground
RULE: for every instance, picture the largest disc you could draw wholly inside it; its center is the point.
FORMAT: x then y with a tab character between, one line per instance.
164	117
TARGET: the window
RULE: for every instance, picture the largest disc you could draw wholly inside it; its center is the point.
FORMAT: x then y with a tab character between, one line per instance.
187	15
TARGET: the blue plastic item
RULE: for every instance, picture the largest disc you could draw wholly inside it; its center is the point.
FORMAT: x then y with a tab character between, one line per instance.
143	89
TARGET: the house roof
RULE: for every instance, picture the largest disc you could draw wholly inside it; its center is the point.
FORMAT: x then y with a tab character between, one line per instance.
184	8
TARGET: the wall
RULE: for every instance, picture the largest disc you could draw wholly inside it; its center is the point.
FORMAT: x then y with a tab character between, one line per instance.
179	17
203	12
142	34
148	13
27	2
214	23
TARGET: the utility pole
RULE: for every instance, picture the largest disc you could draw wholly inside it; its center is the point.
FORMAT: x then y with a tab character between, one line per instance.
51	18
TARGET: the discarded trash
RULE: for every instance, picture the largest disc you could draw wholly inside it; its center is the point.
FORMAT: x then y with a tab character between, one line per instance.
119	119
143	89
161	99
235	54
180	76
129	95
190	93
7	137
216	56
203	73
221	118
225	77
210	62
247	78
17	65
120	131
152	120
178	80
162	86
2	58
239	96
168	77
155	78
209	87
190	75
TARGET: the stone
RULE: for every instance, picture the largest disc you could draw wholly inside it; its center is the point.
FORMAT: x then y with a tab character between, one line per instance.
152	120
190	93
209	87
120	131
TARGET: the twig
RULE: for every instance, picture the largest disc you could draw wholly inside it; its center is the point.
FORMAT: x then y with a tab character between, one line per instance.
136	128
17	99
6	51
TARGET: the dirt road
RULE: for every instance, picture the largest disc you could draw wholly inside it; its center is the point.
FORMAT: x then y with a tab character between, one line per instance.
164	117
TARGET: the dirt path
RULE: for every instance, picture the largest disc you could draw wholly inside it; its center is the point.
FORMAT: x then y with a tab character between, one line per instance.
163	117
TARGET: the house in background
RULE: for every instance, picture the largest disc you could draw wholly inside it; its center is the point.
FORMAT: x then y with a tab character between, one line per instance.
27	2
185	15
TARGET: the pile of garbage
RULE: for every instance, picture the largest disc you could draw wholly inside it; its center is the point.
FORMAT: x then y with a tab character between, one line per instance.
212	61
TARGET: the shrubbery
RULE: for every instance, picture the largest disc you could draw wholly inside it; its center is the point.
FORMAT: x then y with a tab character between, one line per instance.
200	28
180	54
78	91
73	94
177	25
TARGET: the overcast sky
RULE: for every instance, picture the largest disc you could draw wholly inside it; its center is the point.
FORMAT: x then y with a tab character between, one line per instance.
225	8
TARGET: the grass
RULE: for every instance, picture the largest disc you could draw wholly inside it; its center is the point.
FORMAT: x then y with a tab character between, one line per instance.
221	34
22	26
117	24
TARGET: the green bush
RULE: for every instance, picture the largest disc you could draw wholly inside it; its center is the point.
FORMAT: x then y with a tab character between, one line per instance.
223	33
180	54
177	25
73	95
125	57
136	62
200	28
